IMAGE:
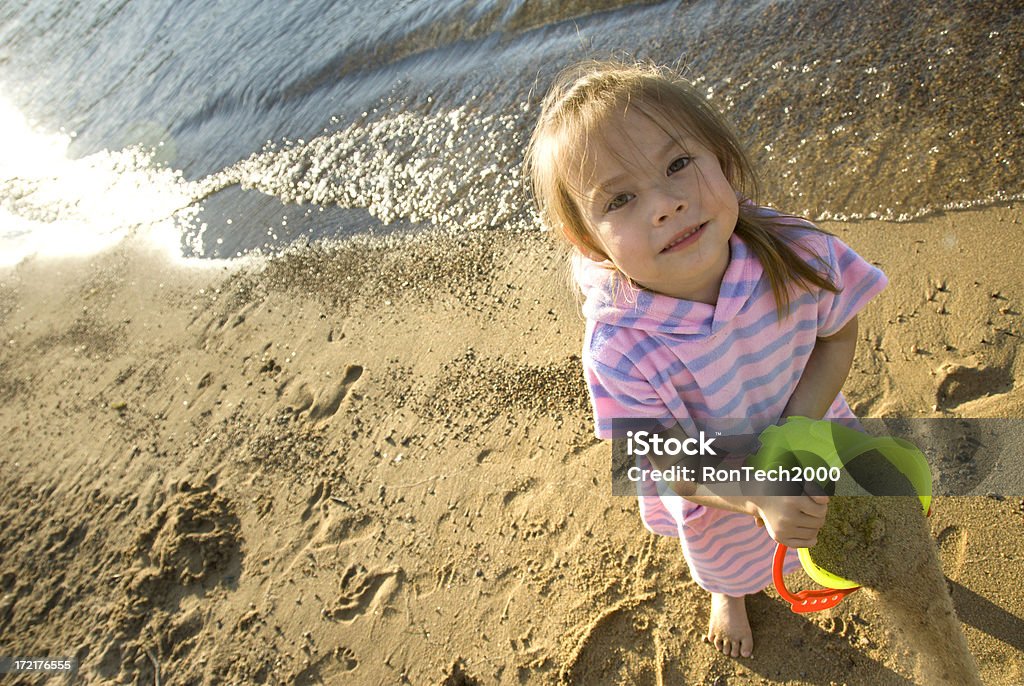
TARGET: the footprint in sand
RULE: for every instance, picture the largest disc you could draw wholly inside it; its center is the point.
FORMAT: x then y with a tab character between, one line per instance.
953	545
329	401
959	384
360	589
339	524
314	405
330	525
322	552
961	452
329	669
295	396
518	488
316	500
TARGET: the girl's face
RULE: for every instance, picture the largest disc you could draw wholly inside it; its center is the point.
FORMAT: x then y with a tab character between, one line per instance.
662	212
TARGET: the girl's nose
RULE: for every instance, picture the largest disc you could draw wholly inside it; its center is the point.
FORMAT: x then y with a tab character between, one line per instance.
667	205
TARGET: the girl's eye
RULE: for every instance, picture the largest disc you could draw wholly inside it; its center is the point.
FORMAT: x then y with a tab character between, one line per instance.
618	201
679	163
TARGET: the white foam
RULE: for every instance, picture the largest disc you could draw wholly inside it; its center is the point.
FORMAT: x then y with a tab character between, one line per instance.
54	206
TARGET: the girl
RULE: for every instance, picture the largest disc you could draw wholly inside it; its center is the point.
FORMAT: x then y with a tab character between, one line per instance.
700	306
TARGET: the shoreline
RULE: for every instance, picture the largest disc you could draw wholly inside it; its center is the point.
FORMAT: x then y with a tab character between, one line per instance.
368	464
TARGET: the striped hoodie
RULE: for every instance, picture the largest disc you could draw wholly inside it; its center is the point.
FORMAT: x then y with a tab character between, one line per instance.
732	365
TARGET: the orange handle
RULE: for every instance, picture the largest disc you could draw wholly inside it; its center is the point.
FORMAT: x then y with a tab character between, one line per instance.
805	601
808	601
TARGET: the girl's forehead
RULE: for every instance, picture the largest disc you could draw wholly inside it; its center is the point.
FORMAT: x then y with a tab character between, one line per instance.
625	145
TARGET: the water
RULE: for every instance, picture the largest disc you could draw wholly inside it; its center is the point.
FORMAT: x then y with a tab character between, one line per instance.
214	128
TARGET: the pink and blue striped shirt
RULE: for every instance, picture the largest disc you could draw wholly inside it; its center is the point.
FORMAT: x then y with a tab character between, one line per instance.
647	355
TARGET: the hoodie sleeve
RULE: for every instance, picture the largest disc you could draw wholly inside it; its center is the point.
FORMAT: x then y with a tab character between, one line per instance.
858	282
618	390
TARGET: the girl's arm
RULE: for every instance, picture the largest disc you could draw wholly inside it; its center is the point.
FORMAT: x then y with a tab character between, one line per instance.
826	371
793	520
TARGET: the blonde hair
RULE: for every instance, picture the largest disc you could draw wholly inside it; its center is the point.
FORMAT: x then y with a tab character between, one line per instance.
580	104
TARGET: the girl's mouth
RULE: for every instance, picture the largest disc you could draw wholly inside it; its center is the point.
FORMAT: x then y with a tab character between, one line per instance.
684	239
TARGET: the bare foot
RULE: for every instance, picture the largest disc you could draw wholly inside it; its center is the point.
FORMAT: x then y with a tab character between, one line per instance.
729	628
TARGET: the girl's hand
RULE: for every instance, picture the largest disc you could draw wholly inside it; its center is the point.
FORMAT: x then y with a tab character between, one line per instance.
794	520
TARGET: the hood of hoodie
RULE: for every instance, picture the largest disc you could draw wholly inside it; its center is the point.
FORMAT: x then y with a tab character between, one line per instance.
612	299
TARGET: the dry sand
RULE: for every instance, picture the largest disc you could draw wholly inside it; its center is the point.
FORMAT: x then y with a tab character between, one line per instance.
378	467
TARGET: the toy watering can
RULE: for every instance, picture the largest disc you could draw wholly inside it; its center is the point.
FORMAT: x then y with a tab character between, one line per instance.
816	444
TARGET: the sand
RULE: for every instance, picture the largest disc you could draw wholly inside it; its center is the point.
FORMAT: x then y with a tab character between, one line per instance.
884	544
377	466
